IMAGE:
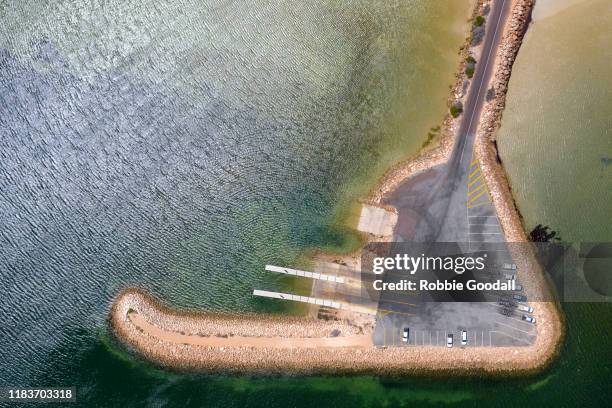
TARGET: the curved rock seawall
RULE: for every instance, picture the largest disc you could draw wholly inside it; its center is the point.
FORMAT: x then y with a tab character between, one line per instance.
171	350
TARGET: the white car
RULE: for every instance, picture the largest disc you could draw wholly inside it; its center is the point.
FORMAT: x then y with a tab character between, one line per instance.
449	340
524	308
509	276
509	266
464	338
406	335
529	319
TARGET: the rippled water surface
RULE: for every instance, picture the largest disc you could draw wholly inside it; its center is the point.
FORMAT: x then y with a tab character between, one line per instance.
181	145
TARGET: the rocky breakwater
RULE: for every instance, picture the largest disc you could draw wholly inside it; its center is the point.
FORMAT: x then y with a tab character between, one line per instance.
164	336
547	311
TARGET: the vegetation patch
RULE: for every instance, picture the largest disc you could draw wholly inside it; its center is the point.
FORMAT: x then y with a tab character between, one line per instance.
478	30
431	135
456	109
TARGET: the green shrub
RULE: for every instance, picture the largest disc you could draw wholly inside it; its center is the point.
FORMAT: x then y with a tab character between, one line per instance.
480	20
469	71
470	60
455	110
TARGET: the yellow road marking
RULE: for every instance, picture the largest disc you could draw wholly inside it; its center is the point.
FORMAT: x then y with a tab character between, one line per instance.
411	293
475	180
477	204
474	162
392	311
472	191
398	302
384	334
474	172
476	196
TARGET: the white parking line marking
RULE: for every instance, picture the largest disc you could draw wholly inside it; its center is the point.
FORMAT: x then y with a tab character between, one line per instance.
514	328
512	337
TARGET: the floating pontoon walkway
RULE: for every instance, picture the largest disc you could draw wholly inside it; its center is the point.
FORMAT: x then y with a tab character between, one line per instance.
310	275
297	298
316	301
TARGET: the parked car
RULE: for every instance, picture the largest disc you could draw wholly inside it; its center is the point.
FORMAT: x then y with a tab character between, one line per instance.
520	298
507	311
529	319
449	340
509	276
464	338
406	335
524	308
509	266
518	287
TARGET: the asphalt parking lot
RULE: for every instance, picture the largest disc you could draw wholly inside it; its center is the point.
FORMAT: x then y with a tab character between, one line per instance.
432	322
494	321
487	322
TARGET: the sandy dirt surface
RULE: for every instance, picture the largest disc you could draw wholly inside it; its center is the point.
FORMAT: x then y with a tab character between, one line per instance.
214	340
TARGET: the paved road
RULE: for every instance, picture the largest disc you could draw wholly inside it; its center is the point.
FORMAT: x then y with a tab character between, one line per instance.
482	76
450	203
432	206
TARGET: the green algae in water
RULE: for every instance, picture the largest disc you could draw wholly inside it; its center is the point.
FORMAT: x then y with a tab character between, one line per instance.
540	383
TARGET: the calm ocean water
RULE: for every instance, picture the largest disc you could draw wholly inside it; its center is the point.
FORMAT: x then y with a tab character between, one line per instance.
180	146
556	136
